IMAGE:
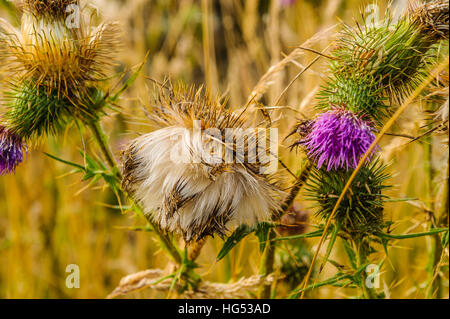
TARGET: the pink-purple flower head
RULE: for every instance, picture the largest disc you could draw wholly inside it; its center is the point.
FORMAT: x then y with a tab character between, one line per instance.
338	139
12	150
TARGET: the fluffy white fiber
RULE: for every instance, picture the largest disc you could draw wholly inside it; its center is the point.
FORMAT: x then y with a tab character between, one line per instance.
173	175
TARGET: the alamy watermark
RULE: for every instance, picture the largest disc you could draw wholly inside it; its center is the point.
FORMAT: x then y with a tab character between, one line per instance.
74	17
73	277
373	278
213	146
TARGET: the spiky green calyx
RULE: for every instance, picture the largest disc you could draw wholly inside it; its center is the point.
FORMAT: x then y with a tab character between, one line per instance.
359	94
393	54
34	112
376	64
361	211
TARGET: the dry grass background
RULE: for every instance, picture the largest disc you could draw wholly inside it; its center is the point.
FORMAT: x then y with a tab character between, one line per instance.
48	219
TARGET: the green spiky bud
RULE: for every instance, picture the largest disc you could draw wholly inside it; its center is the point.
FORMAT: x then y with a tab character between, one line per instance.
377	63
359	94
34	112
361	211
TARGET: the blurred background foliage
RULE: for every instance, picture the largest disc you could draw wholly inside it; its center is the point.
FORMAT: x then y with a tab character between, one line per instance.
50	219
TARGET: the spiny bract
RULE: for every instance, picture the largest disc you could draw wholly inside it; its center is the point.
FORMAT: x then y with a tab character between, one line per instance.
361	211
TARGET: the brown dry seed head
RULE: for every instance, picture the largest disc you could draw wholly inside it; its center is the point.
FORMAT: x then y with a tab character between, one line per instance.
55	8
433	18
196	197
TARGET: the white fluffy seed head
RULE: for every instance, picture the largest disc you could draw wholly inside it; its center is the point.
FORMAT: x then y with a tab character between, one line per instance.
185	186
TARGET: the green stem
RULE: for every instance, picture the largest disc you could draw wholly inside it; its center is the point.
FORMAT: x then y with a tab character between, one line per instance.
268	257
435	250
301	180
441	206
266	266
103	142
434	289
415	235
363	252
164	240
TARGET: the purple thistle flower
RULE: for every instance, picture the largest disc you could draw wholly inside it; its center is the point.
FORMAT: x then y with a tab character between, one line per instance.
338	138
12	150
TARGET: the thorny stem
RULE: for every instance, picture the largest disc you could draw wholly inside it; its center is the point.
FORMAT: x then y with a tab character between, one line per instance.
441	219
363	252
266	266
102	141
435	249
195	248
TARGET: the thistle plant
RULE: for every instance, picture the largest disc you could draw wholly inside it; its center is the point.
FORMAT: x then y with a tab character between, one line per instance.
373	67
190	181
55	65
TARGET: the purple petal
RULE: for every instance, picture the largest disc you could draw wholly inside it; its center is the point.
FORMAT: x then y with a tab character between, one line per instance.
339	139
12	151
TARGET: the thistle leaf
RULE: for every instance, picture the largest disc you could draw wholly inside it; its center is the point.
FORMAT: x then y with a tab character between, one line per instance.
240	233
262	232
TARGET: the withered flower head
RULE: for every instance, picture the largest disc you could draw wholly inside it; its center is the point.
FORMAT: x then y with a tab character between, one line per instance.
294	222
432	18
182	173
53	8
55	47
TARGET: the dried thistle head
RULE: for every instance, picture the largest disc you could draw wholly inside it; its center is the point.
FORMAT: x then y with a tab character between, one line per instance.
182	173
432	18
294	222
53	8
55	48
53	66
